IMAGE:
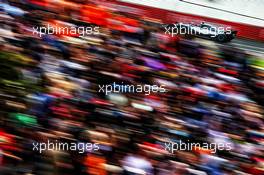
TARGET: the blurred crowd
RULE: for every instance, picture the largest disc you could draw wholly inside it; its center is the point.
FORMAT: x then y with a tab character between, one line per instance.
49	91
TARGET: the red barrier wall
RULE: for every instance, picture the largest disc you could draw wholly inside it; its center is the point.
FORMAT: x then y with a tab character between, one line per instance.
244	30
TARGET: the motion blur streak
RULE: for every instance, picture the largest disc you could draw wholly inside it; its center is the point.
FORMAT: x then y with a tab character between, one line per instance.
49	94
